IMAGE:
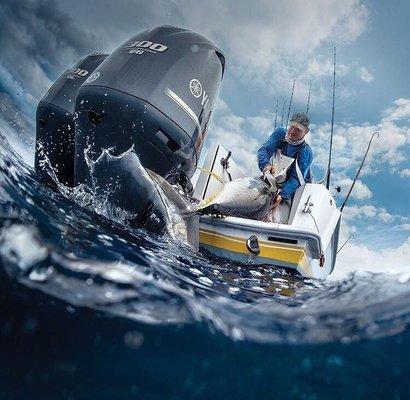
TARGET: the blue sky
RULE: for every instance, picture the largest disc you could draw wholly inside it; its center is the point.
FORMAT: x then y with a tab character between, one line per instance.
266	44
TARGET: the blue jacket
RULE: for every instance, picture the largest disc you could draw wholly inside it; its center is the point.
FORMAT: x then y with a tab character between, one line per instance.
304	155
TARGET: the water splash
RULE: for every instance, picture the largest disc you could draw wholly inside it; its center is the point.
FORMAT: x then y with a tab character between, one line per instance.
73	246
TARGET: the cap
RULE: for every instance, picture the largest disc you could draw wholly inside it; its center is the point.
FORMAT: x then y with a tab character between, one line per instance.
301	119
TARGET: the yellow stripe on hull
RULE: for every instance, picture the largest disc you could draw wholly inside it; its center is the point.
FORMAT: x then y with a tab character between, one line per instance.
280	253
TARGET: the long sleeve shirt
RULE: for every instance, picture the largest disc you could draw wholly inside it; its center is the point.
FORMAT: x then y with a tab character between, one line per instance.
302	152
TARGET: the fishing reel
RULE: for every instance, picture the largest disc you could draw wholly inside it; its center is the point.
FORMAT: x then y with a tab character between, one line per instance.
225	164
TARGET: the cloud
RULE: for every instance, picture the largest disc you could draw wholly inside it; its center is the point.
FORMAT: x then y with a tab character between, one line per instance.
231	131
365	75
405	173
349	143
319	67
404	227
266	43
37	42
399	111
368	249
355	213
255	32
362	258
40	38
264	48
351	140
360	190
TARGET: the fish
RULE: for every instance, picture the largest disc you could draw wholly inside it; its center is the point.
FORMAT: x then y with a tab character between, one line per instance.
250	198
159	207
150	200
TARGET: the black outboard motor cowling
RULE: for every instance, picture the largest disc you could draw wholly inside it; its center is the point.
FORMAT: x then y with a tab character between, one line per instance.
156	93
55	119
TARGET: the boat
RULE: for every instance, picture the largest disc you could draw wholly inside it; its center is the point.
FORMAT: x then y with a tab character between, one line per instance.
307	244
153	98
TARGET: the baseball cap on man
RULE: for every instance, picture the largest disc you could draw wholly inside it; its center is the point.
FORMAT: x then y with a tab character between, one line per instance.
300	120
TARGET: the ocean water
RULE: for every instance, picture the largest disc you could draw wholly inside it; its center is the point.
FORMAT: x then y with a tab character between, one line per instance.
91	308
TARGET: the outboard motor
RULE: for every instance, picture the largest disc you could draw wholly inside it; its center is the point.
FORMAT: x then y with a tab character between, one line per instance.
55	119
155	93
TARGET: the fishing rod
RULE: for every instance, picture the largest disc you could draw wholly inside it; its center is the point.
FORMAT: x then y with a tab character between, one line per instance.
308	99
290	102
283	112
333	120
276	114
344	244
359	170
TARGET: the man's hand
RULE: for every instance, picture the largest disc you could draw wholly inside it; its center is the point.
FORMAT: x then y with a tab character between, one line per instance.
278	200
269	168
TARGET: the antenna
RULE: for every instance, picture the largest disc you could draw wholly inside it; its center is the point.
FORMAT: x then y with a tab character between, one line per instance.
359	170
333	120
276	113
308	99
283	112
290	102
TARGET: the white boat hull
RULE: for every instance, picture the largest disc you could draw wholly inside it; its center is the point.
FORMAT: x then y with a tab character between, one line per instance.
307	243
279	245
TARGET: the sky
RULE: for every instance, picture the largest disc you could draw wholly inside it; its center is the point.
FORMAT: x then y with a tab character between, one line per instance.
266	44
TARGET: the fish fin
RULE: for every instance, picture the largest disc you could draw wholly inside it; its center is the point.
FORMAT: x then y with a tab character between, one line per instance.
207	202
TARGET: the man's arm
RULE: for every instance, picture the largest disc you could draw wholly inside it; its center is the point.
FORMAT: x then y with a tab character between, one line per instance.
269	148
292	183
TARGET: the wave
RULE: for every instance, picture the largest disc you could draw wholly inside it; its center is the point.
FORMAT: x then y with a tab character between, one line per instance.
74	246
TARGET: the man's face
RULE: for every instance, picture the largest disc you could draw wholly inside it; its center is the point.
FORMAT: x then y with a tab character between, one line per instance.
296	133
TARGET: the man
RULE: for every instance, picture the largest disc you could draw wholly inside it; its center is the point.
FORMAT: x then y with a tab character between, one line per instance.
289	145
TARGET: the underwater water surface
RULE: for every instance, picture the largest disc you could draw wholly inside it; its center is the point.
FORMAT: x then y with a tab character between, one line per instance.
91	308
